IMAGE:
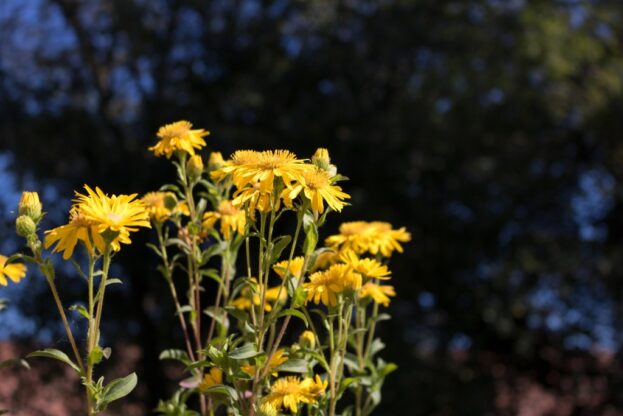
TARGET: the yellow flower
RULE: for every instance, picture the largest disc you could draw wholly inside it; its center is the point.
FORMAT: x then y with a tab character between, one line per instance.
213	378
276	360
252	198
379	293
194	167
13	271
323	161
289	392
315	386
374	237
325	259
326	285
182	208
118	214
238	159
264	167
249	298
370	268
294	268
156	204
67	236
232	219
308	339
179	136
317	187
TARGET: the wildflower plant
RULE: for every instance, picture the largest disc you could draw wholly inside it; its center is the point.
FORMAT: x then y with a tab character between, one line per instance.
272	322
238	284
98	224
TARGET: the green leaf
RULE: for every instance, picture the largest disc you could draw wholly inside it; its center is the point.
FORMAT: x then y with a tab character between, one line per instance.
173	354
96	355
220	388
16	362
117	389
113	281
387	369
3	303
311	239
57	355
279	244
345	383
294	366
81	310
244	352
294	312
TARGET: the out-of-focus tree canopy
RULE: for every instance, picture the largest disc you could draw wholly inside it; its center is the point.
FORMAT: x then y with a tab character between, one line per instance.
491	129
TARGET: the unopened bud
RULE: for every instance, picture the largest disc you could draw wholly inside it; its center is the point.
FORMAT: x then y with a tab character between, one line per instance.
194	167
30	205
322	159
215	161
25	226
307	340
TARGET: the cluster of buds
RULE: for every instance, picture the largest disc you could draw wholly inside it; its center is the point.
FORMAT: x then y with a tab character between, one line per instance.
30	212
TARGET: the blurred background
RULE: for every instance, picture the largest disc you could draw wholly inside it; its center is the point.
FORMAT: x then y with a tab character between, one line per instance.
491	129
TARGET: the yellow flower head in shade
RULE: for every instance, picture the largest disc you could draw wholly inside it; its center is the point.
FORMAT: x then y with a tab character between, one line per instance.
13	271
79	228
213	378
291	268
249	298
231	218
325	259
370	268
317	187
323	161
308	340
289	392
276	360
373	237
157	205
379	293
179	136
324	286
117	214
253	198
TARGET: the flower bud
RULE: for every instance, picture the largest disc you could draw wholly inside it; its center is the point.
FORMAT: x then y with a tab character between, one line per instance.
215	161
307	340
30	206
25	226
194	167
323	161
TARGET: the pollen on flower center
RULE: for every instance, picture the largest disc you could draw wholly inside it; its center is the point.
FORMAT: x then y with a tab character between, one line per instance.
317	180
114	217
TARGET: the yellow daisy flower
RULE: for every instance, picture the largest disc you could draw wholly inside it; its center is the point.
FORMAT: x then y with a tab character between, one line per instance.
120	214
374	237
276	360
179	136
264	167
380	294
213	378
253	198
325	259
231	219
307	339
370	268
324	286
67	236
289	392
13	271
238	159
295	267
157	205
315	183
267	409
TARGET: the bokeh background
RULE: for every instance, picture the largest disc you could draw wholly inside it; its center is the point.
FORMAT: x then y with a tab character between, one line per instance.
491	129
